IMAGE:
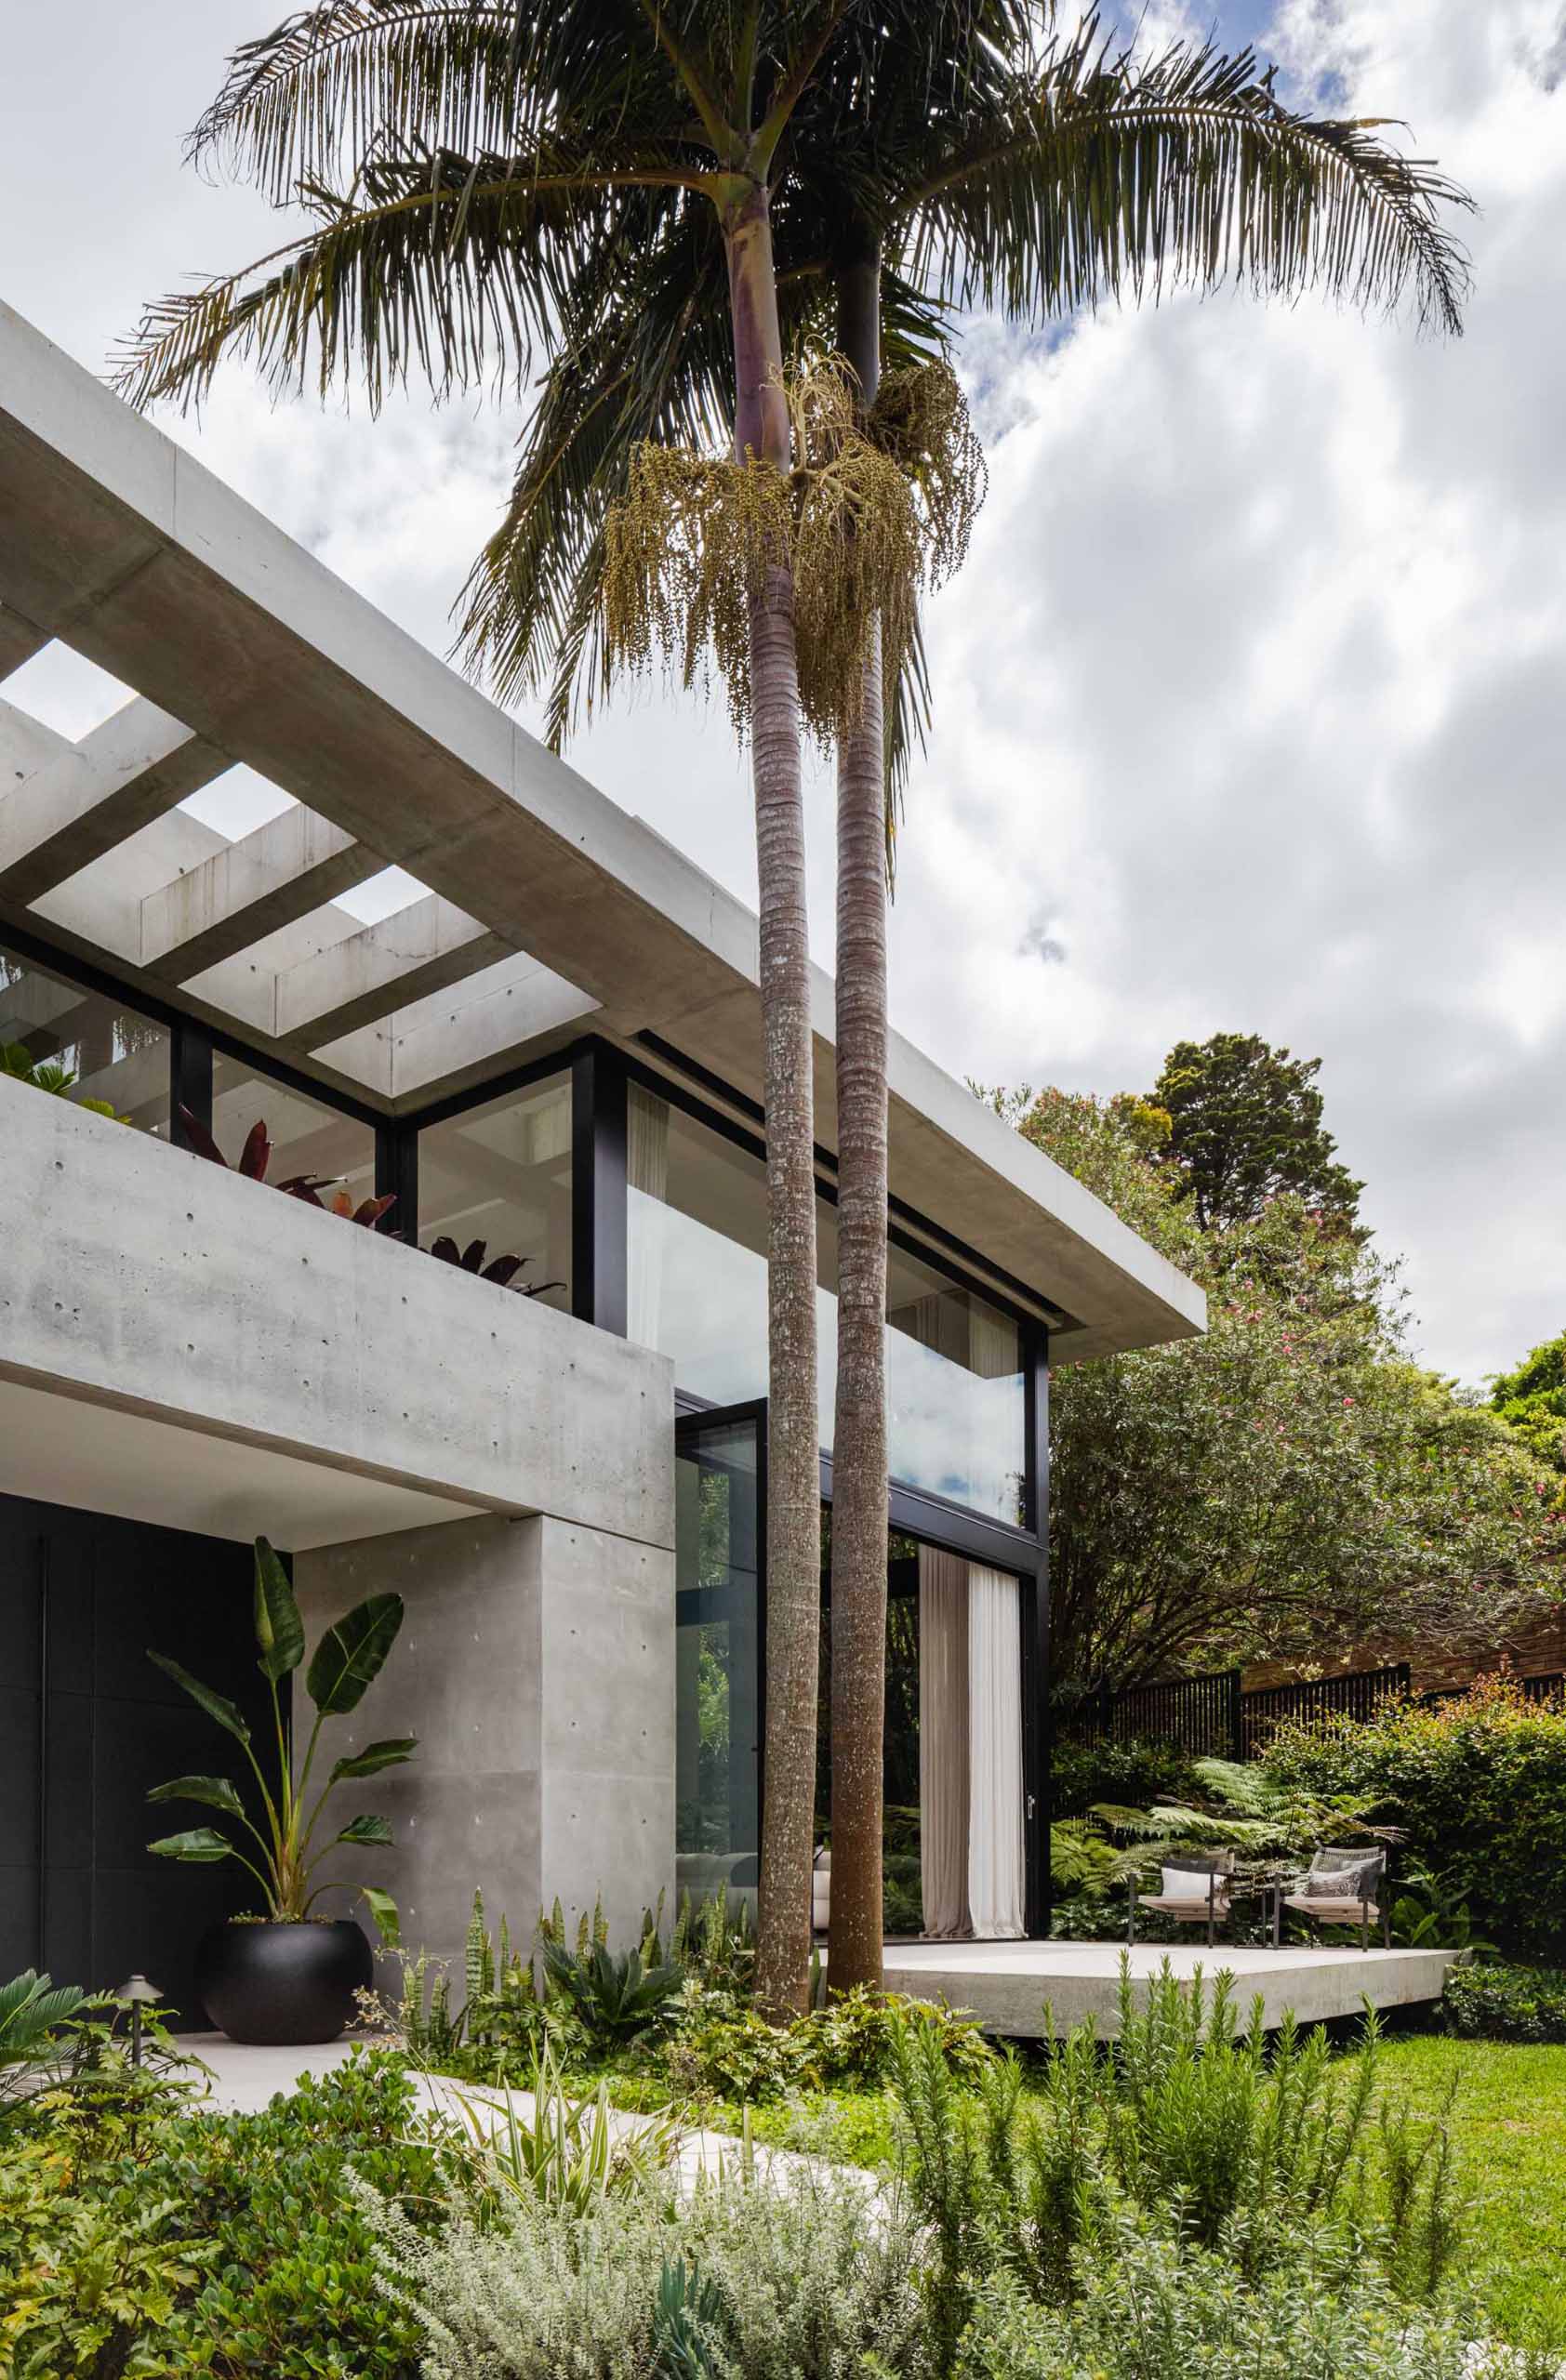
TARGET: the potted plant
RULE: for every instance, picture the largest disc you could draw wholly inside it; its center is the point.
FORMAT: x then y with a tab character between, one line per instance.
282	1974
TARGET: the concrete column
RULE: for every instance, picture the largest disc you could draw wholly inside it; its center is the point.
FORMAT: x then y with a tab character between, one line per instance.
535	1666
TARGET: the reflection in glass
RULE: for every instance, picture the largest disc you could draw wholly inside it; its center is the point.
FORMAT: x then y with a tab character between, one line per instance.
502	1173
306	1136
717	1659
114	1054
697	1293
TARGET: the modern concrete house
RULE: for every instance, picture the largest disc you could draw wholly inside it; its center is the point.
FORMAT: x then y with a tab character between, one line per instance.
554	1049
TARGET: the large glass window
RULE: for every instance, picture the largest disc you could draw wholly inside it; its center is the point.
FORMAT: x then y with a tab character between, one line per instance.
502	1173
718	1620
308	1138
696	1291
113	1054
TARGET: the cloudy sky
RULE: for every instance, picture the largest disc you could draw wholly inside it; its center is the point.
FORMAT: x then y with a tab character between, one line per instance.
1250	702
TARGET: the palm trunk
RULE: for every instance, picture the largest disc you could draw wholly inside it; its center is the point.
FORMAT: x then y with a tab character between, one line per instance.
793	1532
859	1468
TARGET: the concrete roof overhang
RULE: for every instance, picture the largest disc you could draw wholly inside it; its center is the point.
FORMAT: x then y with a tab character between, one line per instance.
547	906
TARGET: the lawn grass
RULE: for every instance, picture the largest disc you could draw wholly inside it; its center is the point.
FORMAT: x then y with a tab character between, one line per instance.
1509	2131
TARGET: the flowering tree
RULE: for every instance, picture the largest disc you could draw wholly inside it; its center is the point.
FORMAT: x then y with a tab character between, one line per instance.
1291	1475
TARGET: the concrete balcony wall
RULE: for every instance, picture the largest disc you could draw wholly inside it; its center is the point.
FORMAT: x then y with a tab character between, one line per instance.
141	1279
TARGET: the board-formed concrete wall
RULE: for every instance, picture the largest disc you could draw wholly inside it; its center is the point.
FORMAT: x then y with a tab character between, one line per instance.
138	1275
535	1666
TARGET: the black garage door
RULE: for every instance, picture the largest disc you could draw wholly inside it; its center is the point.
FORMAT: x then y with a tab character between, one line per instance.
88	1724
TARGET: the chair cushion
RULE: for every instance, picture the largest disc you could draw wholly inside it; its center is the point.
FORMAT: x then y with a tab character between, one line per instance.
1339	1909
1354	1874
1185	1906
1189	1883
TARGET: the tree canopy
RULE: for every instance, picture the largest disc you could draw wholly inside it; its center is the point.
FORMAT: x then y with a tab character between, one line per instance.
1244	1126
1532	1401
1290	1477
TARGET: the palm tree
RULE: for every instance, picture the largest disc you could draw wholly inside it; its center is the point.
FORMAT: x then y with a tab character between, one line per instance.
504	163
936	158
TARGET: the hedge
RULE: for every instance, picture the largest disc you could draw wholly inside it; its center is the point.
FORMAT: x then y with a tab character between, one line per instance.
1479	1787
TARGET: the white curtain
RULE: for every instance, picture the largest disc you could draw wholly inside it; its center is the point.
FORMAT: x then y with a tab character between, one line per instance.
646	1170
995	1844
943	1744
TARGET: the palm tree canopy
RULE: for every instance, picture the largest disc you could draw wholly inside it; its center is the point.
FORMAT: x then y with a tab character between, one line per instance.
493	185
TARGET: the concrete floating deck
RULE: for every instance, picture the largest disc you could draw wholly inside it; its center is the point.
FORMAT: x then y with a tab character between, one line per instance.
1007	1985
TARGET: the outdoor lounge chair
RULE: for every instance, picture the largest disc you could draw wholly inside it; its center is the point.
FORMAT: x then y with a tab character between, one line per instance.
1195	1892
1341	1888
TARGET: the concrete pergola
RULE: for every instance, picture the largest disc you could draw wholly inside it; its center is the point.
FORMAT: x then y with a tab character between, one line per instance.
546	910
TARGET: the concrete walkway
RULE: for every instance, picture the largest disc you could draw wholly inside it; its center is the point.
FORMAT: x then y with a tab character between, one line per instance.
245	2076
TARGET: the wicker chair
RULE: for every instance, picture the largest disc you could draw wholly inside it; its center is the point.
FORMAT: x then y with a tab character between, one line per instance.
1341	1888
1206	1902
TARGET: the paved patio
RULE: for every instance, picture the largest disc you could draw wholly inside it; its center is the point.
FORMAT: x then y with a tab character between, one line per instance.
1007	1985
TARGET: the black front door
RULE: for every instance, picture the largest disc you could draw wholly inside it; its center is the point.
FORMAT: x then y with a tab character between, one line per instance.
88	1724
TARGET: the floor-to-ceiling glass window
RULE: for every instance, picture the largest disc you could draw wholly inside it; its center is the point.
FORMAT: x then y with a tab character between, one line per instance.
719	1620
309	1138
696	1291
108	1052
501	1173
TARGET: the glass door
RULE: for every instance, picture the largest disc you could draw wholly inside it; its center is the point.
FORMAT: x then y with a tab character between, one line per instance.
720	1633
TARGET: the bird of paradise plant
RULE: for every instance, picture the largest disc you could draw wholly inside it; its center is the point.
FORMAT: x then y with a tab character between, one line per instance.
345	1662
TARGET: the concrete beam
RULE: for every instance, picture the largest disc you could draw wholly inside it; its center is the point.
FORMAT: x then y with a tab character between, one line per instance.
120	542
419	950
79	804
19	641
290	865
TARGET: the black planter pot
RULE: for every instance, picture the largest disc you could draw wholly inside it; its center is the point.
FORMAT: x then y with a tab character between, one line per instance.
285	1984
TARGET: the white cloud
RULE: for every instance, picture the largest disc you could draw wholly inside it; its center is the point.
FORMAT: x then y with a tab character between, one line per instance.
1251	701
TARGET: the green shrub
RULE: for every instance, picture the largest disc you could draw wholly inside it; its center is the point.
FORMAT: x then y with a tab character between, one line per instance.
1478	1786
782	2279
1505	2004
730	2052
1235	2145
1157	2309
1142	1769
153	2239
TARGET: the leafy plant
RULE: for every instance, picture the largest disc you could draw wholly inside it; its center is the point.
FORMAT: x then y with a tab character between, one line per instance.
345	1663
1426	1916
566	2152
255	1158
46	1074
713	1943
1505	2004
34	2013
686	2316
502	1270
617	1998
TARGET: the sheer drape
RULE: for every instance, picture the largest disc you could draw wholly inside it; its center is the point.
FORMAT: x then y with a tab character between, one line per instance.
943	1743
992	1355
995	1844
970	1750
647	1171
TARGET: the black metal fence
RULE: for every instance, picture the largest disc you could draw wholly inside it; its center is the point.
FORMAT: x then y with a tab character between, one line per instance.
1358	1694
1548	1688
1215	1716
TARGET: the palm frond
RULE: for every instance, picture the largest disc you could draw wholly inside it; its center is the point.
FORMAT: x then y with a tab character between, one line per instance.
1108	176
449	266
341	80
